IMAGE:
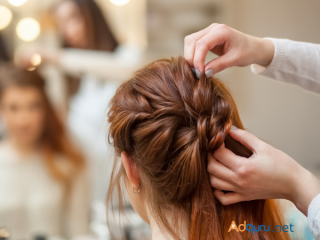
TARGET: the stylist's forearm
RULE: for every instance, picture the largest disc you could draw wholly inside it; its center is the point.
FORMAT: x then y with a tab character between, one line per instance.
51	56
305	187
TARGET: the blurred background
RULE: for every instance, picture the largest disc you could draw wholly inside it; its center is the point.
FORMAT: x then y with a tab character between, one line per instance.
84	50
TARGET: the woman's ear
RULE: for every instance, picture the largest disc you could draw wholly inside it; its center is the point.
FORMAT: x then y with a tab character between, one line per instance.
131	169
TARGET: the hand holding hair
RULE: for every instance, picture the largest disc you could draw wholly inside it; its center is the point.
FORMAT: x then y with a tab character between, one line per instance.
268	173
233	48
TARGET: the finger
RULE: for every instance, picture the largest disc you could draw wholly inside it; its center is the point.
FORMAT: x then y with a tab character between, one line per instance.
247	139
227	157
205	44
190	42
219	170
220	63
221	184
228	198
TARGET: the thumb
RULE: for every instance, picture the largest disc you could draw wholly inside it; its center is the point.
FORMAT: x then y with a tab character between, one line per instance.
246	138
220	63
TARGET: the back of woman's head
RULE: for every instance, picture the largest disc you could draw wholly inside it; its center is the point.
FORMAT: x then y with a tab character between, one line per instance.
167	121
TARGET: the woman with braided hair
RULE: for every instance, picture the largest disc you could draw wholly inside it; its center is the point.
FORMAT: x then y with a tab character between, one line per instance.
163	124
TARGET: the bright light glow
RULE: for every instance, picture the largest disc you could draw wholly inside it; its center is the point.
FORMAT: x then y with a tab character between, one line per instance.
31	69
17	3
28	29
35	59
5	17
119	2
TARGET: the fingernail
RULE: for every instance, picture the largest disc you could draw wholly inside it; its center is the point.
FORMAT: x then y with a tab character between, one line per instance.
193	70
233	127
197	73
209	72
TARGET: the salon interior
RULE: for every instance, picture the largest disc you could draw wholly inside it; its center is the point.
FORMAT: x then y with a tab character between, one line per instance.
53	38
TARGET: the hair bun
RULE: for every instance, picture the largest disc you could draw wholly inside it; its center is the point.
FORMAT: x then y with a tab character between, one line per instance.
167	120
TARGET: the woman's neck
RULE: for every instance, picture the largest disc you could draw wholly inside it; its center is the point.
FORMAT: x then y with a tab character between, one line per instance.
157	234
23	148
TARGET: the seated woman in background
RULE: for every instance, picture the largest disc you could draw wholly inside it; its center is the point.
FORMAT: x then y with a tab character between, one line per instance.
163	123
43	185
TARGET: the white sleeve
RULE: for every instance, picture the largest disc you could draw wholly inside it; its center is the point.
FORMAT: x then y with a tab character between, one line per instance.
314	217
294	62
116	65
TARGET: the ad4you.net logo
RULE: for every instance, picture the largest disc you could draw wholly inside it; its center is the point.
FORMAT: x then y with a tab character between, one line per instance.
252	228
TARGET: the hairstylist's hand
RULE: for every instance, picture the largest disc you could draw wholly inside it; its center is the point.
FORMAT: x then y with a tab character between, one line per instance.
24	57
268	173
233	48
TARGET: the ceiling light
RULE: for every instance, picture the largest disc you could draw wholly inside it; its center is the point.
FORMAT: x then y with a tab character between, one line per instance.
5	17
28	29
35	59
119	2
17	3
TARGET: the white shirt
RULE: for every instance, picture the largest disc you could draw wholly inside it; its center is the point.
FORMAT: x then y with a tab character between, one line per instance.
110	66
297	63
294	62
31	201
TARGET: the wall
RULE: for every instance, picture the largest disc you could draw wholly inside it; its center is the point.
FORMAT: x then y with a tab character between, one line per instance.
285	116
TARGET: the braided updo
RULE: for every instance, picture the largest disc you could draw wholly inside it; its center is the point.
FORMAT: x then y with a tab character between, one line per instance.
167	120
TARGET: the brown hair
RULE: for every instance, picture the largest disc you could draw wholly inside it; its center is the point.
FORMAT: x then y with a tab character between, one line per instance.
167	121
54	139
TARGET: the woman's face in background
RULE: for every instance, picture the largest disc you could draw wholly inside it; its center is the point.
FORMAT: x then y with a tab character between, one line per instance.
23	113
71	24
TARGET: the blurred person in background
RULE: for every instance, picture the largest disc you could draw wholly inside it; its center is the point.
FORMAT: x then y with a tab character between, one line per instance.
88	43
95	64
163	123
43	179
